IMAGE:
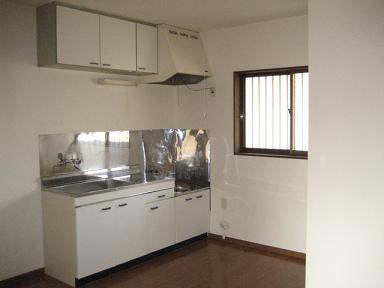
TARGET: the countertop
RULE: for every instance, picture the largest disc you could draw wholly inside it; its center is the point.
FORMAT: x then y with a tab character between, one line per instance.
82	185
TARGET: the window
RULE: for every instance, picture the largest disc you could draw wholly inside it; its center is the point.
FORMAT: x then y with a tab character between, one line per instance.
271	112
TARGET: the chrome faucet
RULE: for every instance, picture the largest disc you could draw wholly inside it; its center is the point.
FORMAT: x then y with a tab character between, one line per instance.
63	162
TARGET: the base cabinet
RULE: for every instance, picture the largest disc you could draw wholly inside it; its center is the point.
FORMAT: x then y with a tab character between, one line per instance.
109	234
192	215
82	237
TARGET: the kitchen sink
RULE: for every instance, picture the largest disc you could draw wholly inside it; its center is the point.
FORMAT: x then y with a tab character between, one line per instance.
88	187
68	180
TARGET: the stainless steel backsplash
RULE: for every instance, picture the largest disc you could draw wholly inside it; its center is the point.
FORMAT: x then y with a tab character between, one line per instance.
184	153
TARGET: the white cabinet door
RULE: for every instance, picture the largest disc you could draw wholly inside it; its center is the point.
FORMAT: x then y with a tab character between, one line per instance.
146	48
160	224
77	37
129	232
118	44
202	206
94	230
192	215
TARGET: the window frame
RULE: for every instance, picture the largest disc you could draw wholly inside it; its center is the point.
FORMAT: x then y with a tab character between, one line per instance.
239	113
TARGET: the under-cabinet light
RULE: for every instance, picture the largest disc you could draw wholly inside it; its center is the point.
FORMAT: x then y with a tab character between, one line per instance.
118	82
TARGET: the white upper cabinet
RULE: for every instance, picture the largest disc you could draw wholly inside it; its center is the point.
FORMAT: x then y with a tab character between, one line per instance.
118	44
77	37
146	48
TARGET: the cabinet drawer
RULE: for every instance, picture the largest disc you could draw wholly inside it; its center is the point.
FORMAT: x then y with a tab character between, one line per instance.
159	195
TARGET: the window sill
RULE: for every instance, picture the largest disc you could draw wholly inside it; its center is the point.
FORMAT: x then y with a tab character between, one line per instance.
277	155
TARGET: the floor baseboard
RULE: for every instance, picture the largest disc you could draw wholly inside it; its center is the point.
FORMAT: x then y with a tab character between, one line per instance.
20	278
265	248
10	282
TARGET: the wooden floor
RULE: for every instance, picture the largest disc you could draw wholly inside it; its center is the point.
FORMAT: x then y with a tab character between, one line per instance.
208	263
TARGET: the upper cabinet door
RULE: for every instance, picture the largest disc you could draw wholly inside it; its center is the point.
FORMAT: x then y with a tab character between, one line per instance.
146	48
118	44
77	37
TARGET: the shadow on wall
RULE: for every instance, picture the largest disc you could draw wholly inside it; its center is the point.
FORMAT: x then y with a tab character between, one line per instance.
17	220
258	199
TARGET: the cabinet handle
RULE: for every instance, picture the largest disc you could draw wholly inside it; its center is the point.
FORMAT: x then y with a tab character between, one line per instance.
106	208
123	204
154	208
188	199
161	196
142	68
200	196
94	63
106	64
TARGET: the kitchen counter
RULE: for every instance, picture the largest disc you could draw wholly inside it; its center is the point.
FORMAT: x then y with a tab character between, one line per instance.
86	185
182	193
98	183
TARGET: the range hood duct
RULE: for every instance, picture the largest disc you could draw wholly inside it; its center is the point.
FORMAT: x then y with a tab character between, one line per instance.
181	58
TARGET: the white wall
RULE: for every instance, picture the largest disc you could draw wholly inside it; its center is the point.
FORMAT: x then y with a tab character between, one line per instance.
37	101
266	197
345	245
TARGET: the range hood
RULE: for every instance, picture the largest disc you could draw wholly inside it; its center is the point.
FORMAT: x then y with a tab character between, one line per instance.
181	58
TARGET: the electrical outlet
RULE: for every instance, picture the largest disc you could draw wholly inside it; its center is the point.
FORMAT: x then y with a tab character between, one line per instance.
224	225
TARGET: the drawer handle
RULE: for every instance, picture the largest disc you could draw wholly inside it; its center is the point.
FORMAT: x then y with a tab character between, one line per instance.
123	204
200	196
188	199
106	208
154	208
161	196
94	63
106	64
142	68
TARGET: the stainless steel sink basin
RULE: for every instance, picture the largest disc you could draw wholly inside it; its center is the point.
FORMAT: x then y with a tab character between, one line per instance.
68	180
94	186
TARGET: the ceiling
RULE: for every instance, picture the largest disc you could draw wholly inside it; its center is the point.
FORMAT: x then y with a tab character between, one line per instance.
199	15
